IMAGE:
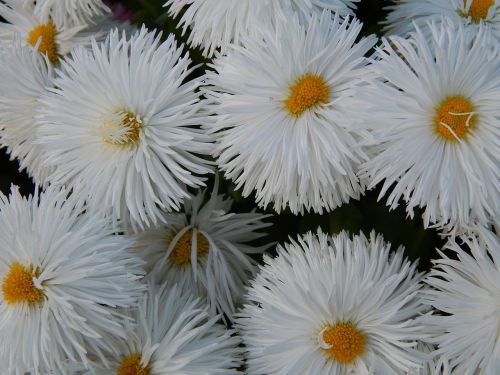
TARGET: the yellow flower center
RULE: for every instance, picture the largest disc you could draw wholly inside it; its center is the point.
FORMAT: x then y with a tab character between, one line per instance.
478	9
47	33
18	287
308	91
122	128
131	365
454	118
181	253
342	342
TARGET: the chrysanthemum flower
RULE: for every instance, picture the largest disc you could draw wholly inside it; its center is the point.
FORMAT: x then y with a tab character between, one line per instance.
286	112
405	14
466	289
332	305
120	127
24	76
174	335
72	12
62	273
51	39
205	250
435	113
217	23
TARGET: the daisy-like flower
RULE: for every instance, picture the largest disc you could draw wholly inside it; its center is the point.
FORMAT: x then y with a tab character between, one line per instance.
332	305
405	14
51	39
24	76
174	335
72	12
62	273
218	23
285	113
436	116
465	288
120	127
205	250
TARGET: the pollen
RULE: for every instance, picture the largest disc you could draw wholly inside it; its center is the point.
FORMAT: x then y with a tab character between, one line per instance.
478	9
454	118
306	92
122	128
131	365
342	342
181	253
18	286
46	33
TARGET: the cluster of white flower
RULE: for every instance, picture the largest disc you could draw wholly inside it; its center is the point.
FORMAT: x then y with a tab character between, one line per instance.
124	262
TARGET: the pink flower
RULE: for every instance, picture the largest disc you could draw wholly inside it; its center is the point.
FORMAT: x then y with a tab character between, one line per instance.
120	12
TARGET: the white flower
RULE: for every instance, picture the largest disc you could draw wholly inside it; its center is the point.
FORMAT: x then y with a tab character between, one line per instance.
205	250
331	305
406	14
24	76
466	289
73	12
218	23
120	127
62	273
436	116
174	335
53	40
286	113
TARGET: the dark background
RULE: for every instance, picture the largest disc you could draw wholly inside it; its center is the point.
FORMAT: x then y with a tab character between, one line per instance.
366	214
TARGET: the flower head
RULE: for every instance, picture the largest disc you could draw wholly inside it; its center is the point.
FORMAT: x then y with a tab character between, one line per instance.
219	23
332	305
72	12
465	289
24	76
472	14
285	113
62	274
206	250
434	112
174	335
52	39
121	127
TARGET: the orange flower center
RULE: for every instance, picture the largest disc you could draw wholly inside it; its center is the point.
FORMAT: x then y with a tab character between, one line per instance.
342	342
308	91
18	286
122	128
131	365
46	33
454	118
181	253
478	9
